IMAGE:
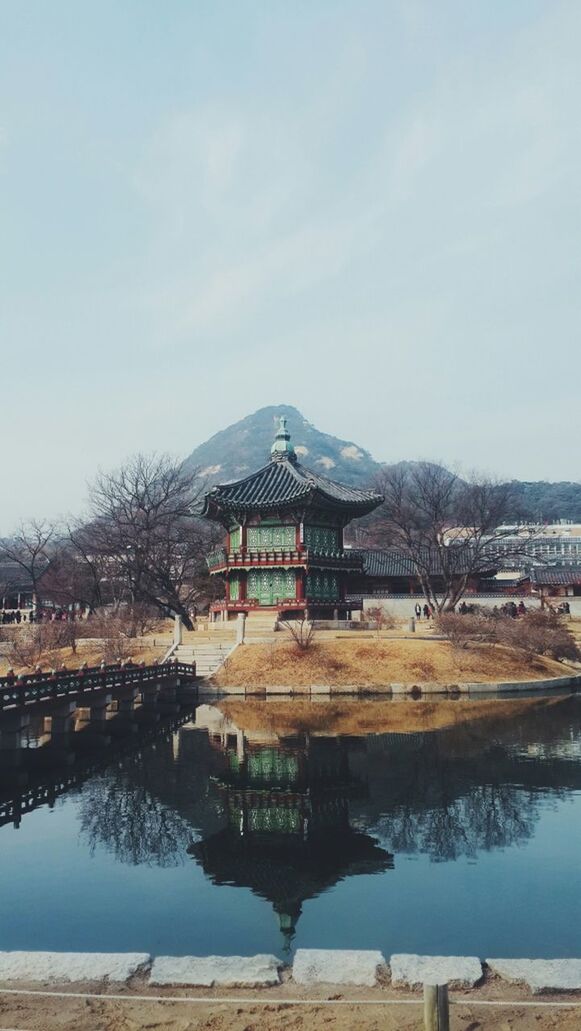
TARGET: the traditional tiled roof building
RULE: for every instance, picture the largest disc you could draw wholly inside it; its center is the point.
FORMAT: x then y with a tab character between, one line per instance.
284	537
559	581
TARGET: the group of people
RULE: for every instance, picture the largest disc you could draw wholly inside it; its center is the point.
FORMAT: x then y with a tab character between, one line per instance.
427	611
8	616
510	608
13	616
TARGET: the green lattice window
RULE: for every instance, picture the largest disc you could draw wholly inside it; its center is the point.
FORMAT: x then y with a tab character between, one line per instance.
270	538
270	818
236	538
234	588
271	765
322	586
322	540
271	585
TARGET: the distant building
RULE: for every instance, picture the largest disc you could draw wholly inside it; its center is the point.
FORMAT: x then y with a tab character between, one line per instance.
555	581
16	590
389	572
552	544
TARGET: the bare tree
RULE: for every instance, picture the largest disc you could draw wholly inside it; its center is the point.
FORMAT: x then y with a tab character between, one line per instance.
301	631
146	530
449	530
98	589
30	549
39	642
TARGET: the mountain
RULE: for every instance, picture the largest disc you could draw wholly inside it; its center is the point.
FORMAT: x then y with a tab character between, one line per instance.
244	447
545	502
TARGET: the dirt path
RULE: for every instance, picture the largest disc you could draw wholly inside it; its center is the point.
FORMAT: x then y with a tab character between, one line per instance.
246	1013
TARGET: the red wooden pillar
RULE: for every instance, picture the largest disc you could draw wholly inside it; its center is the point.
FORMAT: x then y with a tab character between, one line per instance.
300	585
243	538
228	586
242	586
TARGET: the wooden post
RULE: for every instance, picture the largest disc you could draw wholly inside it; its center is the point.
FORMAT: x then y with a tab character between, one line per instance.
436	1007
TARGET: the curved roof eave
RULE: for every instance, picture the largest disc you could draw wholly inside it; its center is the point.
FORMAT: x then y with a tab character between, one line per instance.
284	484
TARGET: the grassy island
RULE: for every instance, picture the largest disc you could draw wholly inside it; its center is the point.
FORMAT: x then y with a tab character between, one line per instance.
375	663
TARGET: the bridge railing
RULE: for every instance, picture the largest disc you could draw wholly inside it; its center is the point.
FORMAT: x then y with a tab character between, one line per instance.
24	689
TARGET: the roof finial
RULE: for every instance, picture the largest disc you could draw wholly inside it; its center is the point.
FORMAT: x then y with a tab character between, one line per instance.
282	447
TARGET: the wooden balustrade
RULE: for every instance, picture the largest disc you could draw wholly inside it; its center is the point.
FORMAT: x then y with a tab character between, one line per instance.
26	689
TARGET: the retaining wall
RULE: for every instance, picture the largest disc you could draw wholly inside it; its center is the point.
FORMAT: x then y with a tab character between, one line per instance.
402	607
418	689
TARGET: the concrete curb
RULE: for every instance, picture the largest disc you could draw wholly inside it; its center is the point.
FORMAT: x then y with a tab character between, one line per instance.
540	975
337	966
216	971
59	967
412	971
311	967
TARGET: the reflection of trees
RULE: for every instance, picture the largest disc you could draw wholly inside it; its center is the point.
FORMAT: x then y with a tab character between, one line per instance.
446	794
489	817
131	823
147	808
434	795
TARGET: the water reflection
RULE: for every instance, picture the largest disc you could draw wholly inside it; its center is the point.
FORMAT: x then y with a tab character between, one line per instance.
288	799
288	834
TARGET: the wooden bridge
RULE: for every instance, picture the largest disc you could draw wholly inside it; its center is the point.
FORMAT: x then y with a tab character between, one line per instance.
31	691
89	698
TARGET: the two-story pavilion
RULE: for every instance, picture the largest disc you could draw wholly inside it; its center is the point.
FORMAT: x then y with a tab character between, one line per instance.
284	538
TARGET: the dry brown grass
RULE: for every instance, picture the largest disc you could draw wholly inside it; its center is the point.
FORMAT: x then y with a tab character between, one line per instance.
375	663
93	655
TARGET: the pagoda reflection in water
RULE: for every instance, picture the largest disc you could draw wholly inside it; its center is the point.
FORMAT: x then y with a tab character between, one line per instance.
288	837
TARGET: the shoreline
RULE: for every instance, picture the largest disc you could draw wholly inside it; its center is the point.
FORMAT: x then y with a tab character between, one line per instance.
450	690
363	994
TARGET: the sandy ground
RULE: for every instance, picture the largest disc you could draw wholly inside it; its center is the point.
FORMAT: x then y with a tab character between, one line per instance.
260	1011
377	662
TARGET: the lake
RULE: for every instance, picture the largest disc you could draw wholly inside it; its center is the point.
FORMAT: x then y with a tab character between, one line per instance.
261	826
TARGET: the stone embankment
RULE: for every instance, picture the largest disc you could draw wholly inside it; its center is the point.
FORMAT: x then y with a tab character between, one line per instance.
311	967
419	687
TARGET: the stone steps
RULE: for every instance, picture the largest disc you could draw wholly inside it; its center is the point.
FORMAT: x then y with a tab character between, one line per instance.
207	657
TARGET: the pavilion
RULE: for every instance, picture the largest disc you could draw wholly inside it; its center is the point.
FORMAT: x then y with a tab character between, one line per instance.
284	548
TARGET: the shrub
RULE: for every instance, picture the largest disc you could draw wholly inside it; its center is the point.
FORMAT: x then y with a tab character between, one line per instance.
462	631
539	632
301	631
383	619
34	643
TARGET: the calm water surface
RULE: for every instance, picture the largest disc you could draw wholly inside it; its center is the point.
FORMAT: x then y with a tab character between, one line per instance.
245	830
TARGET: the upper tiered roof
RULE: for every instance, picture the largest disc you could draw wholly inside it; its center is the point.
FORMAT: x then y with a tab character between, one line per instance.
284	483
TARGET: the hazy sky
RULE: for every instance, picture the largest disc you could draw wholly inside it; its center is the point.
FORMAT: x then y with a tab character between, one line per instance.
371	210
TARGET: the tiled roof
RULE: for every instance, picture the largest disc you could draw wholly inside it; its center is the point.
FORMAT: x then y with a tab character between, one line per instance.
13	577
282	483
558	576
386	563
393	563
